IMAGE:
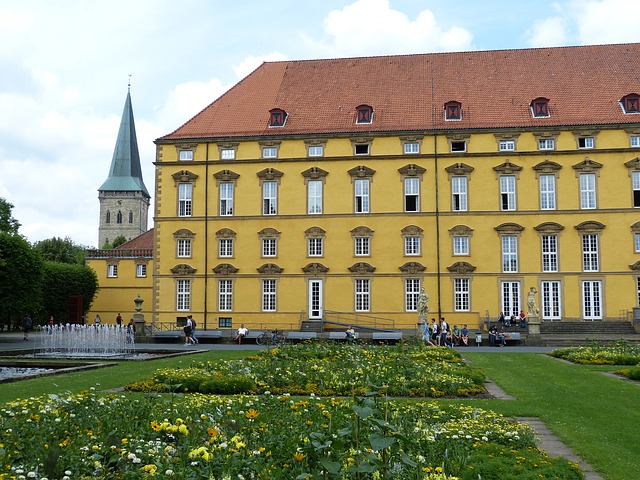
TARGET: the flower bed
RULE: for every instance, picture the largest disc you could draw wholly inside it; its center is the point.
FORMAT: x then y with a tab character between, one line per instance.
620	353
328	369
271	437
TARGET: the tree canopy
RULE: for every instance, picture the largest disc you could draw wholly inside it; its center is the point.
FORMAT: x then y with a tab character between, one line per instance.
61	250
8	224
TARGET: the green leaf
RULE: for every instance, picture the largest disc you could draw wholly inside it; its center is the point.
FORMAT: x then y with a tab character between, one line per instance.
379	442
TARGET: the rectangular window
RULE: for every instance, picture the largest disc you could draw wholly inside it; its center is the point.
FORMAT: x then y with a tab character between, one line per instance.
185	199
363	295
551	300
459	194
460	245
590	253
459	146
635	185
635	141
586	142
225	247
183	295
184	248
547	192
361	195
315	247
268	295
141	270
510	298
412	245
411	294
636	242
269	247
225	322
227	154
549	253
362	246
269	198
361	149
314	196
592	300
226	198
509	254
225	295
269	152
507	192
638	291
112	271
412	194
412	147
186	155
316	150
546	144
587	190
461	294
507	145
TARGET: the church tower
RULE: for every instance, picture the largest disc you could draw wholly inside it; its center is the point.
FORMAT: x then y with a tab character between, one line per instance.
124	199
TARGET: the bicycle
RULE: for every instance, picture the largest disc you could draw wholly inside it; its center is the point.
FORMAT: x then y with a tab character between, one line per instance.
275	337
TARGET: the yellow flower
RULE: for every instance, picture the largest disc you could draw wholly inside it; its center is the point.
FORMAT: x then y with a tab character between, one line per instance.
251	414
150	469
298	456
213	432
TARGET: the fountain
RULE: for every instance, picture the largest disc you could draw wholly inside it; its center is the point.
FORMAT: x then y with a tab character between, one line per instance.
86	341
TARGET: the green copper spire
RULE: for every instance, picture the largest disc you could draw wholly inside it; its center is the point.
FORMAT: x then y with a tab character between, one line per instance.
125	174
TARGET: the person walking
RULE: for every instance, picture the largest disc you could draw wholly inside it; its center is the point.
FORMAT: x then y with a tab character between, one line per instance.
188	328
27	325
119	320
193	329
444	330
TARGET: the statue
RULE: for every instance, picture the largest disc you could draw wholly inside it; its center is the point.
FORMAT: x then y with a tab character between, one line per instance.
532	308
423	305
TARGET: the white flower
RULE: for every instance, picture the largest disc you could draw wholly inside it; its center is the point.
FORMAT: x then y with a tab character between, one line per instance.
169	473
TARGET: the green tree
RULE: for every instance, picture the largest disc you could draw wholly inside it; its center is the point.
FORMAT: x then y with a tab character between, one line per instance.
61	250
61	281
119	240
20	278
7	222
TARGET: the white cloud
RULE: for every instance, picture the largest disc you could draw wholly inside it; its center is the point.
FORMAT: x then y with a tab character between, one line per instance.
369	27
252	62
606	21
550	32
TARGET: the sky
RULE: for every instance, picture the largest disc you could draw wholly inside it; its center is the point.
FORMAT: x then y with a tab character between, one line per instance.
65	66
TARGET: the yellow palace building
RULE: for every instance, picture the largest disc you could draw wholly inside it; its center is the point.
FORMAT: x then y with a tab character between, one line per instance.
338	189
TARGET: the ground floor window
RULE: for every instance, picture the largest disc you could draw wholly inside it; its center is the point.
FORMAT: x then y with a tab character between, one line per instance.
461	294
411	294
592	300
268	295
510	298
183	290
551	296
363	295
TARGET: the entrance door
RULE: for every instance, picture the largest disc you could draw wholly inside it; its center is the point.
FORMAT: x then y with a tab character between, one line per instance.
551	306
592	300
315	299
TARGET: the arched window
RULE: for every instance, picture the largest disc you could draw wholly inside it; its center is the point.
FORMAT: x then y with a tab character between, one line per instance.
130	216
107	218
630	103
277	117
119	217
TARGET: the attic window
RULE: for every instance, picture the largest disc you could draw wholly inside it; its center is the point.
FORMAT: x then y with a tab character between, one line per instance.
630	103
277	117
540	107
453	111
364	114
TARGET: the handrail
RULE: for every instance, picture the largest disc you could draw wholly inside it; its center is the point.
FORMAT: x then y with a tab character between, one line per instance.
120	253
362	321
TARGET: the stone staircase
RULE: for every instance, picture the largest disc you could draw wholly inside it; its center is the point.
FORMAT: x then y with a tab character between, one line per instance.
565	334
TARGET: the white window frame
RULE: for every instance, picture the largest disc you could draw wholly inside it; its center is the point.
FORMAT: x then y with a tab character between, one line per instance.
507	145
112	271
461	294
269	295
225	295
185	199
509	253
588	191
635	188
592	299
269	152
510	298
549	253
314	196
636	242
183	295
460	245
362	246
270	197
361	149
362	188
546	144
411	294
547	192
141	270
551	297
634	141
183	248
185	155
411	194
362	295
225	247
411	148
507	192
412	245
227	154
315	247
269	247
226	199
315	291
586	142
315	151
459	193
590	252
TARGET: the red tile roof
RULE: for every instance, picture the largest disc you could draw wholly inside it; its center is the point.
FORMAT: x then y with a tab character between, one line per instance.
407	92
142	241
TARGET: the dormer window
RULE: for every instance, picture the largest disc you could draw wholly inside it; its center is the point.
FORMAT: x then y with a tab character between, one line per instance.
364	114
540	107
453	111
277	117
630	103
